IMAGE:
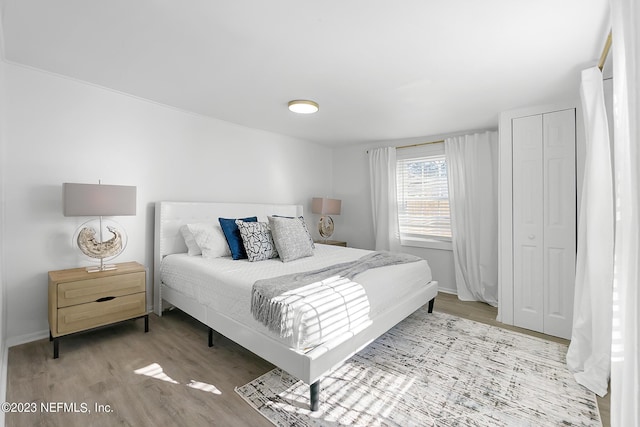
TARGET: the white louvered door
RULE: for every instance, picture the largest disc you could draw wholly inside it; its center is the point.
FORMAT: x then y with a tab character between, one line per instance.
544	221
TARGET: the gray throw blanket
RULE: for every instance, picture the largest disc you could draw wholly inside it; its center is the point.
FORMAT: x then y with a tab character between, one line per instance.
277	313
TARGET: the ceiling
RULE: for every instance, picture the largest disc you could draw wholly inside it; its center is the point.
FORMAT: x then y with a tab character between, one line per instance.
379	69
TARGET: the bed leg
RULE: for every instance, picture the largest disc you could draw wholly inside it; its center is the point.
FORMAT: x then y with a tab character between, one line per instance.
210	337
433	300
314	391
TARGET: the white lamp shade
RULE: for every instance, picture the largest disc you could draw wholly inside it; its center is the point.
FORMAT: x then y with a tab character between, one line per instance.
98	200
324	206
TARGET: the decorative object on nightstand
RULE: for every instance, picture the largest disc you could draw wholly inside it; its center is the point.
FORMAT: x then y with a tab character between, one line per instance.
99	200
79	300
325	207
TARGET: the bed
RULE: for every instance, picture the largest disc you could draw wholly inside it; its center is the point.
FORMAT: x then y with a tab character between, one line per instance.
223	302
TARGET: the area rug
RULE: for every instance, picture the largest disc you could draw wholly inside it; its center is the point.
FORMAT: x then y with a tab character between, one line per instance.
436	370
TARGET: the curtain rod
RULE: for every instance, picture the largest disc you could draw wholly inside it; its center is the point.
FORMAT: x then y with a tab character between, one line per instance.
605	52
417	145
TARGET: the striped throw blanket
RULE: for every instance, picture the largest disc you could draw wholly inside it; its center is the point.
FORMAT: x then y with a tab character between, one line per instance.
277	301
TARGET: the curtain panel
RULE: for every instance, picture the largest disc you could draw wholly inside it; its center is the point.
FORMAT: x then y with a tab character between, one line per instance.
472	170
589	355
625	350
382	178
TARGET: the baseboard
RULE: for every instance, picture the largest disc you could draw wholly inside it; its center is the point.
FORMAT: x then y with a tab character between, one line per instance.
448	291
23	339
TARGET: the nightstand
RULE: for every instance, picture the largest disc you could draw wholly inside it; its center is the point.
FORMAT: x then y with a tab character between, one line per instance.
331	242
79	301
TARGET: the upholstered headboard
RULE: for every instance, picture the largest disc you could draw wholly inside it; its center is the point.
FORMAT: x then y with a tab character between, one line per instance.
170	216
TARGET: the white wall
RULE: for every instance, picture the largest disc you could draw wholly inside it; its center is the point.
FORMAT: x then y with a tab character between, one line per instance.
61	130
3	300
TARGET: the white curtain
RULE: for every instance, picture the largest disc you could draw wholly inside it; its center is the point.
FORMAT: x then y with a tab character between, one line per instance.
589	355
625	350
382	174
472	170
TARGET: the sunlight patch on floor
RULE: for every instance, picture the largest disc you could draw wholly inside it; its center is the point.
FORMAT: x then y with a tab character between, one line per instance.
204	387
154	370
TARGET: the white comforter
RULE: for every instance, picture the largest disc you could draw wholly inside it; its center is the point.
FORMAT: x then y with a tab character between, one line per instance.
225	285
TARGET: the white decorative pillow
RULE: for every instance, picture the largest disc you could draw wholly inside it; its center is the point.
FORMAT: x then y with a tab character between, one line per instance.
210	238
192	247
291	238
257	240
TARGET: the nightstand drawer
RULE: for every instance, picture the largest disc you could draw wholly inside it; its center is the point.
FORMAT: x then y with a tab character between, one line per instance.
85	316
86	291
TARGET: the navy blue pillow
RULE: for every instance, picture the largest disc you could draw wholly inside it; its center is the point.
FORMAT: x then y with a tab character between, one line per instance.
232	233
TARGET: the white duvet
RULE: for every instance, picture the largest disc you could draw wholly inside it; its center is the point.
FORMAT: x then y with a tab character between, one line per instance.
225	286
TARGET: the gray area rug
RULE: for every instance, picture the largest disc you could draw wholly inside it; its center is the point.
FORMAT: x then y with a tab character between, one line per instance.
436	370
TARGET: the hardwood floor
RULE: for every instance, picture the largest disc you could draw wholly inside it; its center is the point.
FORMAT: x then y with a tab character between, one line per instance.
144	378
166	377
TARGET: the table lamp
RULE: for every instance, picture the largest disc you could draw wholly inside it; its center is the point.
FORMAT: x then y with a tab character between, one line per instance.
325	207
99	200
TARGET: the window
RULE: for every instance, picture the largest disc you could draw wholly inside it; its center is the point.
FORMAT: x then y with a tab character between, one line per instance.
423	196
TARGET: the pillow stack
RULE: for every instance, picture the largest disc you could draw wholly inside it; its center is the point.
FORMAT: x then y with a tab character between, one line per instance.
245	238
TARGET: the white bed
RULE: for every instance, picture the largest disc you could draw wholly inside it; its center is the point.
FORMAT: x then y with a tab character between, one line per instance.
226	309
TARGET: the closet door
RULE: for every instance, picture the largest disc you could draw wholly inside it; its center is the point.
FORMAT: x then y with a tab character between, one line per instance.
559	221
544	221
528	223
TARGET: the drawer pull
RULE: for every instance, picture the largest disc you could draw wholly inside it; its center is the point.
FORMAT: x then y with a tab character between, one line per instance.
105	299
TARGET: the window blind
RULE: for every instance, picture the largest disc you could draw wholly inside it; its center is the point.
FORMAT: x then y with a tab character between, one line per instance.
423	194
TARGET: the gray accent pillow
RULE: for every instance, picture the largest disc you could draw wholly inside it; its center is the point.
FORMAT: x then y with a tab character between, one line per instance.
291	238
257	240
304	224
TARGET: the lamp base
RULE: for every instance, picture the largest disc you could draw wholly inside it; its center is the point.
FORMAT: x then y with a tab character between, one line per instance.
89	239
104	267
325	226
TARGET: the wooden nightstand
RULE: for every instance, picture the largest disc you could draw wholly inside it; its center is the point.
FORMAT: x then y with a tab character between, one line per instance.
79	301
331	242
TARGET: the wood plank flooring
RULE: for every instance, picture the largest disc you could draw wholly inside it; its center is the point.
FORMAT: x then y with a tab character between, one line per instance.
120	376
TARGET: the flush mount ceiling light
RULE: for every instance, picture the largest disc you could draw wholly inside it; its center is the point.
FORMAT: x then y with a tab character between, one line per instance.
303	106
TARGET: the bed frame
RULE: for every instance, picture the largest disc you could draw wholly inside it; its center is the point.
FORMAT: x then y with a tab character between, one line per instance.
308	366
